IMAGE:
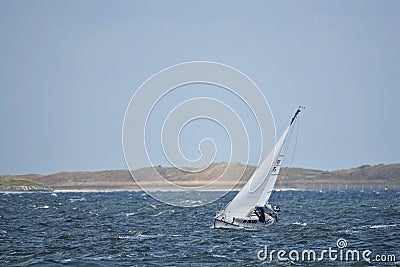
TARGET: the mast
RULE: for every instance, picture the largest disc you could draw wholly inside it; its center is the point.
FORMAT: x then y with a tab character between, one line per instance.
295	114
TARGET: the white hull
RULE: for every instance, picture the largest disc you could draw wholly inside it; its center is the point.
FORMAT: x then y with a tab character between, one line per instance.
220	223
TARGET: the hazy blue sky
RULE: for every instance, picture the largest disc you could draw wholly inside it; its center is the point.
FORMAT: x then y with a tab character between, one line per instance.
69	68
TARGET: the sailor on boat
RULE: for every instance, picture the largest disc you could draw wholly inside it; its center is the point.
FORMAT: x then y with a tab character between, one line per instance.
277	208
263	215
259	211
274	211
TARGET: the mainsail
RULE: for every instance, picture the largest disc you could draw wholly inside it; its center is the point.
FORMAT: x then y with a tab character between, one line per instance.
257	190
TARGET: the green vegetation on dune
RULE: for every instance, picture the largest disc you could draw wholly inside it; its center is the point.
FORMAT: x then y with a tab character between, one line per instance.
372	176
14	183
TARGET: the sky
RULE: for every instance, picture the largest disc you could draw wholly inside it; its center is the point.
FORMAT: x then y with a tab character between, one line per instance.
68	70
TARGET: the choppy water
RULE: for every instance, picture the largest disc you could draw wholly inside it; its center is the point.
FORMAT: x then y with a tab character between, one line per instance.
132	229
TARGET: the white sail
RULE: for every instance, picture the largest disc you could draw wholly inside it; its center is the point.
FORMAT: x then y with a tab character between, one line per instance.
257	190
271	181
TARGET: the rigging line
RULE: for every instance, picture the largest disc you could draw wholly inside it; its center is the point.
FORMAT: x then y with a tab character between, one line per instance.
295	146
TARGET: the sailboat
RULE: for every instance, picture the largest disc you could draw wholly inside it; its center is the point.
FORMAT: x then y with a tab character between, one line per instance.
250	207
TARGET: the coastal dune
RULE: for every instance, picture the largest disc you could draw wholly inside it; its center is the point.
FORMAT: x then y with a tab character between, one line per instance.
366	176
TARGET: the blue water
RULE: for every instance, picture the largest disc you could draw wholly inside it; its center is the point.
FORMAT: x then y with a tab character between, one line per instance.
132	229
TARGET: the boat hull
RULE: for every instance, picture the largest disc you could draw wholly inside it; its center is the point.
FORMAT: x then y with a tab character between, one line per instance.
241	223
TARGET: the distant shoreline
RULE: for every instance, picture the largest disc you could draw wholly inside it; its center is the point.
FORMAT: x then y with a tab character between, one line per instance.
155	190
85	190
362	178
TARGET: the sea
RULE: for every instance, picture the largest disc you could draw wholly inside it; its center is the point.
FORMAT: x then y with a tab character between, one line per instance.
341	228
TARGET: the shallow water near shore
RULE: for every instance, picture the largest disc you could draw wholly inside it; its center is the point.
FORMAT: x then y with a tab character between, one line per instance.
132	229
